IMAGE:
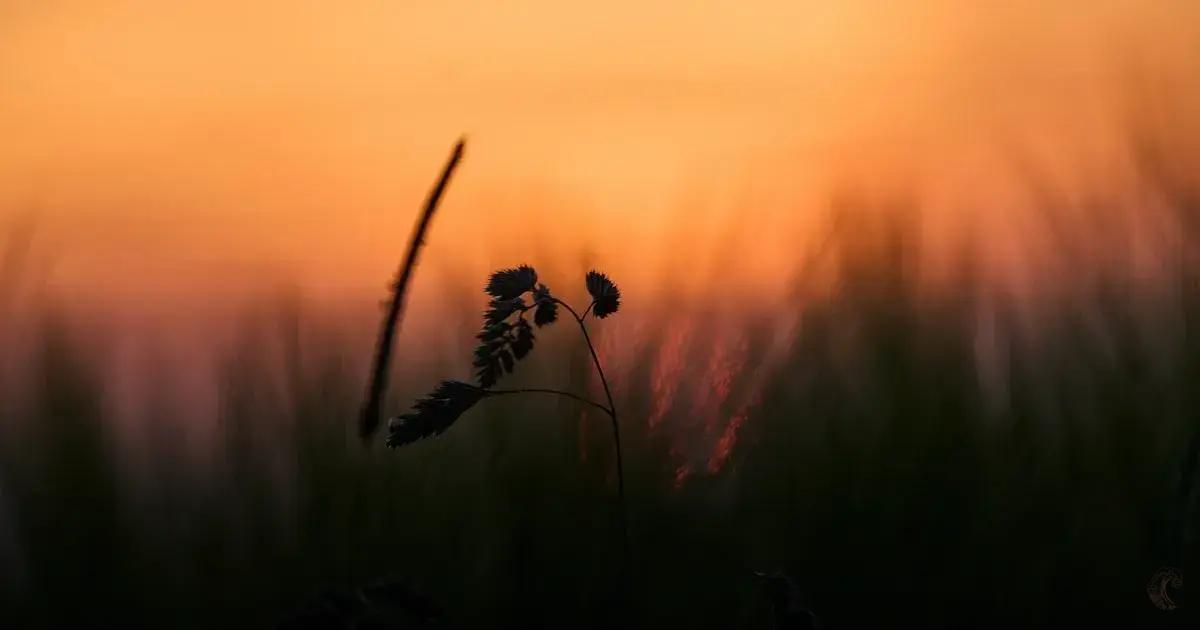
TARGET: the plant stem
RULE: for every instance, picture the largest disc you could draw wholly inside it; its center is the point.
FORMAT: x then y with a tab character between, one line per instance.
369	419
540	390
586	311
612	414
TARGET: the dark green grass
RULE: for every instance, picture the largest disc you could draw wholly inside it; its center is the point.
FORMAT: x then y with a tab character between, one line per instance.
875	469
886	490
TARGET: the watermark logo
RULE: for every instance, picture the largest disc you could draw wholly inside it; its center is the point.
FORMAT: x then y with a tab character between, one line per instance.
1161	585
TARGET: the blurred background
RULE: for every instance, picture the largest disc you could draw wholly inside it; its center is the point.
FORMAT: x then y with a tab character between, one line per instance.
910	308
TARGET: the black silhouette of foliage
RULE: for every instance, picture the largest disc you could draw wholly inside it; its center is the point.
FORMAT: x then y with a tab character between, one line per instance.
501	343
507	284
504	340
547	308
606	294
505	337
433	414
501	309
523	339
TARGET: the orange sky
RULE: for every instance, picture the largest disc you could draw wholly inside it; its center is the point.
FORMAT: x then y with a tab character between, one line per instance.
179	160
168	146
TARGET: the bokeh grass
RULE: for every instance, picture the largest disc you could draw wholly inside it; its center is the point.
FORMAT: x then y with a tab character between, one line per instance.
881	464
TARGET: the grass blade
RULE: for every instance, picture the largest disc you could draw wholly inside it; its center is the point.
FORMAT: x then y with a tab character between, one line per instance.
369	418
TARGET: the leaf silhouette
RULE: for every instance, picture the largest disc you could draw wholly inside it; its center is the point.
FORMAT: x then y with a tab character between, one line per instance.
502	341
494	332
487	364
547	308
506	358
501	309
507	284
494	356
524	340
606	294
433	414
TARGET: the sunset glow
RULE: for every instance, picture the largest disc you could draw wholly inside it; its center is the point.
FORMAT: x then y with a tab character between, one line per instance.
732	314
169	146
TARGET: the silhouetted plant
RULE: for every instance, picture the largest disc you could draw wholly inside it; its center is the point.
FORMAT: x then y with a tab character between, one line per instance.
505	338
369	416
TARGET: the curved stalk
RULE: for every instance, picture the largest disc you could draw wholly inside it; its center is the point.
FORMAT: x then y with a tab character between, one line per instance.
612	414
369	415
542	390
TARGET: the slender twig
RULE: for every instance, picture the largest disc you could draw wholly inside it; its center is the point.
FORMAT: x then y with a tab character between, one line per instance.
586	311
541	390
612	414
369	420
568	307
